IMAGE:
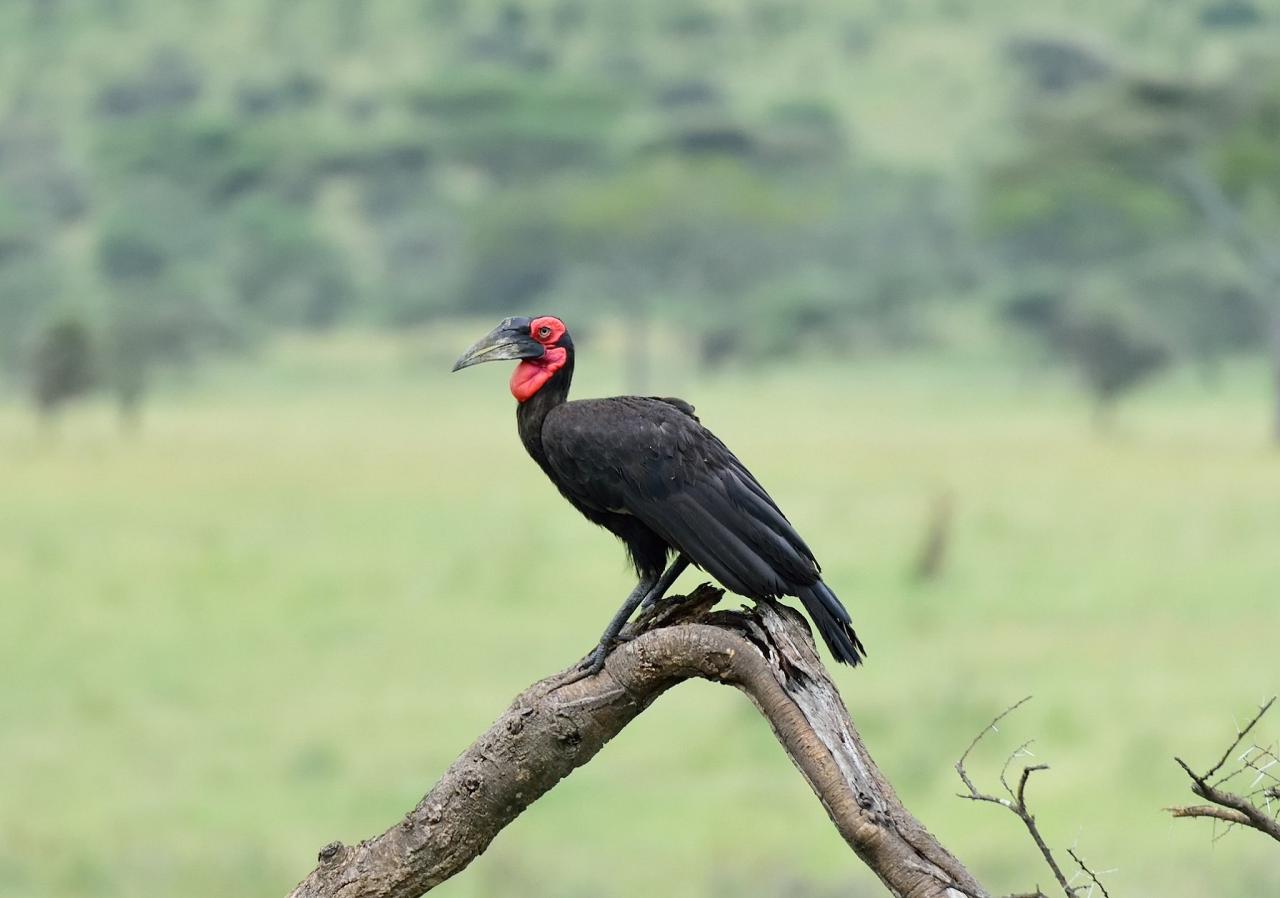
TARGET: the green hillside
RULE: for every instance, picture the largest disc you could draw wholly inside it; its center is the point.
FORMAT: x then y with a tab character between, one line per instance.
186	177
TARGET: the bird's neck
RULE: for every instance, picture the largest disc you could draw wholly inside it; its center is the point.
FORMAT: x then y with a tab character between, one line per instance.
532	412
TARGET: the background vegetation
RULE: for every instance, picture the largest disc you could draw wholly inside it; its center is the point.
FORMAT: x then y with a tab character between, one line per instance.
910	244
774	177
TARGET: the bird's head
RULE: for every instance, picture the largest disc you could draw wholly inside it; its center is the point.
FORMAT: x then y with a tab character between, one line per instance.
542	346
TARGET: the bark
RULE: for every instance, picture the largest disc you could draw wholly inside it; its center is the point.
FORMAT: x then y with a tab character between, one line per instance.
767	653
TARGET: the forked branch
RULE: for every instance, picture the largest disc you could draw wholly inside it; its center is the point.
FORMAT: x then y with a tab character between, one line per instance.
551	729
1255	802
1016	802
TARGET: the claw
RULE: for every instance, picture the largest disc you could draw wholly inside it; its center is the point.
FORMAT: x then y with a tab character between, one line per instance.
590	666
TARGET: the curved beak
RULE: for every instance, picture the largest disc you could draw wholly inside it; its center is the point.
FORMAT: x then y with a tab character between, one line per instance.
504	342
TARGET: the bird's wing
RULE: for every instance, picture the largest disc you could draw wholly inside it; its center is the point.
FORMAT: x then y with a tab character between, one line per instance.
649	458
678	403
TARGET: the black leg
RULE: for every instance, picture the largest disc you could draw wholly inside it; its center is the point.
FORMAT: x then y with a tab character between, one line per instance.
624	613
594	662
646	593
665	581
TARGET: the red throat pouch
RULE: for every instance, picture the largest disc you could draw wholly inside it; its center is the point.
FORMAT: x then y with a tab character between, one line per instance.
531	374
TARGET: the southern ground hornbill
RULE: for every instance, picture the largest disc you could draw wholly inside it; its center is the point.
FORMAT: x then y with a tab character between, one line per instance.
647	470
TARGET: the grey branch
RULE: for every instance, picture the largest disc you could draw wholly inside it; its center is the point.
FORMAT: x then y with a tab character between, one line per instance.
1256	809
766	653
1017	803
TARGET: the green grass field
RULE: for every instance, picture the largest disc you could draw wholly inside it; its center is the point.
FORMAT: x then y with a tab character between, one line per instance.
274	617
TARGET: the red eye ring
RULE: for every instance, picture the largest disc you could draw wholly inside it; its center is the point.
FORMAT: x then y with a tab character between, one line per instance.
546	330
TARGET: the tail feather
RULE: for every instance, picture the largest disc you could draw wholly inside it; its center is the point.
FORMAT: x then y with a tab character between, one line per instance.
833	623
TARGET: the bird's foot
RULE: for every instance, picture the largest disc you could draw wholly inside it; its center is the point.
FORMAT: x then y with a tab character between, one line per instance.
590	666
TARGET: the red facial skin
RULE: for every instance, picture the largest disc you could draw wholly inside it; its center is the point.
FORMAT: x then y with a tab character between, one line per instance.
531	374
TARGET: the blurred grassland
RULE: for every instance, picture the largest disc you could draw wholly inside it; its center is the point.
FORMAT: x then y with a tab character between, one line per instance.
273	618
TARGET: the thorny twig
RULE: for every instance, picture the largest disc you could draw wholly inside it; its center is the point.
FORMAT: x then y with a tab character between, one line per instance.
1017	803
1093	877
1258	805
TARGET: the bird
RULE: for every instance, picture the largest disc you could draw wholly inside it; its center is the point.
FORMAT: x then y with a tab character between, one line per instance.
646	469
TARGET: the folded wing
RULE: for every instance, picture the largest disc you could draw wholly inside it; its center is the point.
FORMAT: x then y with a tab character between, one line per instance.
652	459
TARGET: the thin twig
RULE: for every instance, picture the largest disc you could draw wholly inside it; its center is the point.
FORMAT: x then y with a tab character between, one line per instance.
1240	738
1093	877
1017	800
989	728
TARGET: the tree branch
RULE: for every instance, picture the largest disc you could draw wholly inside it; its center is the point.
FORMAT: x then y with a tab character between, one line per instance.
1209	810
1236	808
1016	803
767	653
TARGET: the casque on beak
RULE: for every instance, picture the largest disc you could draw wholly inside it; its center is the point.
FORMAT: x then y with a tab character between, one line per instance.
507	341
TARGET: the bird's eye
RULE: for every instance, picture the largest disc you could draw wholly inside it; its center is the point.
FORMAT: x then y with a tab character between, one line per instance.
544	332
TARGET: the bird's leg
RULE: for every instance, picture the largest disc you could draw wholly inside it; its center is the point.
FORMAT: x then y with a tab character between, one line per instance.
665	581
645	594
594	662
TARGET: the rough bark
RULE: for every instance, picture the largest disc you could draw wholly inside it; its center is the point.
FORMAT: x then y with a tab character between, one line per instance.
767	653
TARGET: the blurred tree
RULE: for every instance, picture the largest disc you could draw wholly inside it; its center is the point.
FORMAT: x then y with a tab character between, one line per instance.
674	227
169	80
61	367
41	195
29	283
282	270
498	156
514	129
260	97
1102	336
1112	355
38	180
165	302
1057	64
1237	191
1127	171
158	328
1230	14
514	252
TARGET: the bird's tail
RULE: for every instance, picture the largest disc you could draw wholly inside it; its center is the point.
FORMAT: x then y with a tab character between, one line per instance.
833	622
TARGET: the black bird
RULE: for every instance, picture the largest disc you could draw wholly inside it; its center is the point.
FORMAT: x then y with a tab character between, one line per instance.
646	469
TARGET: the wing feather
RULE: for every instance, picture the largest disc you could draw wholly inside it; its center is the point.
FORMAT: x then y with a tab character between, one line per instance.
652	459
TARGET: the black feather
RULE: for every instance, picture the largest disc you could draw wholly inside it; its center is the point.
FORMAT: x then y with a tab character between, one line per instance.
646	469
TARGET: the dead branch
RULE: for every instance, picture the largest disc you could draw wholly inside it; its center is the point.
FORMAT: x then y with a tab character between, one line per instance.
1209	810
1017	803
766	652
1257	807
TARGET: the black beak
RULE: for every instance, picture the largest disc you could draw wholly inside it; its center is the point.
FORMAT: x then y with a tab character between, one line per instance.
505	342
